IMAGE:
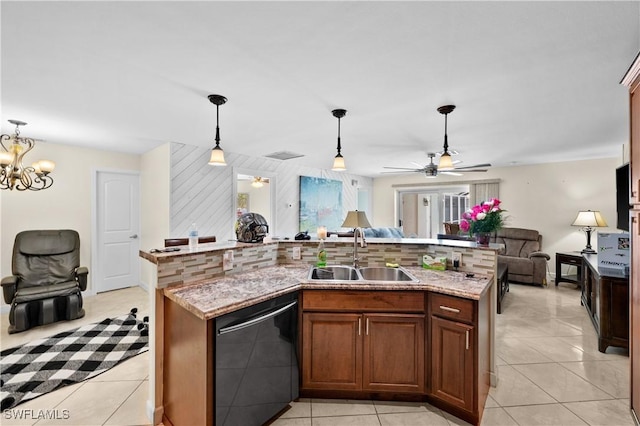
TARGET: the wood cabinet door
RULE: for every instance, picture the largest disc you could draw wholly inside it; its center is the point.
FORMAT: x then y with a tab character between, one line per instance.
634	334
635	142
393	355
332	351
452	369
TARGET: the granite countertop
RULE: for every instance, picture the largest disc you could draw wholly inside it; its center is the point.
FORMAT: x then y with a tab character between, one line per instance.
156	255
217	297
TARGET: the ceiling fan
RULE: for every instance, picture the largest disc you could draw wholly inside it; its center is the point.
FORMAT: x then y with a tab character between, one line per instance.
445	165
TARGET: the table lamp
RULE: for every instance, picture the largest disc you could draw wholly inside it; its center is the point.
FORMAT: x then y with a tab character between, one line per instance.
588	220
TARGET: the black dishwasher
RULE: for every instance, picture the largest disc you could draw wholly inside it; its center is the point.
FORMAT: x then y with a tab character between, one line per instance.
256	362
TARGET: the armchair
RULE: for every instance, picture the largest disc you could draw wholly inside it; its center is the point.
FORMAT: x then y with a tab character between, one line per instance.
47	279
522	255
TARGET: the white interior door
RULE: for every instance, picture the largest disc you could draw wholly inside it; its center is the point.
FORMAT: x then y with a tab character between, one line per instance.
118	227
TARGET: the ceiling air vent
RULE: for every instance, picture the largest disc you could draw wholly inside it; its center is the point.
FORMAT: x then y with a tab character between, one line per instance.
284	155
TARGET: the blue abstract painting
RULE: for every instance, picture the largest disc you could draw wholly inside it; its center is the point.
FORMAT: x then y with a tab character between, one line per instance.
320	204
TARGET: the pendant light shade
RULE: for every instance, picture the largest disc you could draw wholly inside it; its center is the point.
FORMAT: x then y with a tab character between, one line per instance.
445	162
338	161
217	154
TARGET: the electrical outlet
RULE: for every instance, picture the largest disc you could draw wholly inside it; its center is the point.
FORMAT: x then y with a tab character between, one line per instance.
456	256
227	260
297	255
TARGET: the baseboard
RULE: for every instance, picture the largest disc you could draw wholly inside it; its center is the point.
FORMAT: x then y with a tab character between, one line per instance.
144	286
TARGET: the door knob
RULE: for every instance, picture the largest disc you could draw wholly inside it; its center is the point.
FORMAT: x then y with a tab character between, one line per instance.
134	236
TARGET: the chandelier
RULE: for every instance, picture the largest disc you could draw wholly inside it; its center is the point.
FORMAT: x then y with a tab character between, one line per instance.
13	174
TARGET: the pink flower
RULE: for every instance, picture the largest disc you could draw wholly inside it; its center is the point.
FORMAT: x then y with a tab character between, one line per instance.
464	225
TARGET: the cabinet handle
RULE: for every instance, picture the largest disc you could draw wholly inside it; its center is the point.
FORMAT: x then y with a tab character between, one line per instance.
467	339
359	327
366	327
446	308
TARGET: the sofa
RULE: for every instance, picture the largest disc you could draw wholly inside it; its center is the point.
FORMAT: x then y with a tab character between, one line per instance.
522	255
381	232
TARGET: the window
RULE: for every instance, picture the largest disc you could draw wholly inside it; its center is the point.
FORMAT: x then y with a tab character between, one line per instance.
454	205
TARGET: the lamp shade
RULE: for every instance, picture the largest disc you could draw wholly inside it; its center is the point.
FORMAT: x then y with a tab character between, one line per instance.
338	163
217	157
356	219
589	218
445	162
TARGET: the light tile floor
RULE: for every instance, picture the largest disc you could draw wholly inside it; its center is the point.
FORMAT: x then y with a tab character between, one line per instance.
116	397
550	373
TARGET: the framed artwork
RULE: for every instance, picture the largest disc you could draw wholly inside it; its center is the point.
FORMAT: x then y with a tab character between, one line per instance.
320	204
242	203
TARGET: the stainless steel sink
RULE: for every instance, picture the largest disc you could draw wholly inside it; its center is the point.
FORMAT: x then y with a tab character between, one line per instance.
381	273
335	272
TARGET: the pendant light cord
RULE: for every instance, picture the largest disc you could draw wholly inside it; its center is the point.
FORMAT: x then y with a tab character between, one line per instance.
217	126
446	143
339	147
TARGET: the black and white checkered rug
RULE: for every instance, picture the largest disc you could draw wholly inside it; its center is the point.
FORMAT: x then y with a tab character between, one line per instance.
70	357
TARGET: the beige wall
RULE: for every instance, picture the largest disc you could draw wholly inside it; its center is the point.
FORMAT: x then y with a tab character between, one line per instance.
66	205
546	197
155	181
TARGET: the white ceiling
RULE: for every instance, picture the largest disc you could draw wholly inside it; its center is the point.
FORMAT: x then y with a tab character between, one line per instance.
533	81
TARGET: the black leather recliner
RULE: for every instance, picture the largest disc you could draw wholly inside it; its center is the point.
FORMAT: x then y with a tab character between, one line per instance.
47	279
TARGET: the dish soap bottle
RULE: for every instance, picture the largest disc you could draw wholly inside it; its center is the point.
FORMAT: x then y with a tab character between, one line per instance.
193	237
322	255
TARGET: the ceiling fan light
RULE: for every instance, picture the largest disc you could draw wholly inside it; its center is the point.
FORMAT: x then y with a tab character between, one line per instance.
257	182
217	157
338	164
445	162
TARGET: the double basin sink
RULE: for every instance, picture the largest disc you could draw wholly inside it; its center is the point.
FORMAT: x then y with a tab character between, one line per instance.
349	273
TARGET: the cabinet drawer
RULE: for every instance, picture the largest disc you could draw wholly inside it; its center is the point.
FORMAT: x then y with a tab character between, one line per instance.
570	260
452	307
363	301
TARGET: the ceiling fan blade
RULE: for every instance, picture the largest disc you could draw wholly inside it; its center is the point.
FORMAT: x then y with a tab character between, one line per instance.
466	170
405	171
404	168
451	173
475	166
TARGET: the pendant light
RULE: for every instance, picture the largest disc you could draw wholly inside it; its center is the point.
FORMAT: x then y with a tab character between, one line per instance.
217	154
445	159
338	161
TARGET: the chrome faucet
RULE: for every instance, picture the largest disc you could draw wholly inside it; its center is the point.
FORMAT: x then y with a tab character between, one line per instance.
363	243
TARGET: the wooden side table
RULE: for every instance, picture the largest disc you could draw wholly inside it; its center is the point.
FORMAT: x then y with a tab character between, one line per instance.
503	283
571	258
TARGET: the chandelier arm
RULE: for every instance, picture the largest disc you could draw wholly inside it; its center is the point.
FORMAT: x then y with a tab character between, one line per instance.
4	138
44	182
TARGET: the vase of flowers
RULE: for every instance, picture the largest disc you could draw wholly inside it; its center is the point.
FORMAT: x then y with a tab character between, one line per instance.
483	220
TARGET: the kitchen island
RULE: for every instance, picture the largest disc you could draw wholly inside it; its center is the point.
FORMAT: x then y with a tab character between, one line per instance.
447	311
